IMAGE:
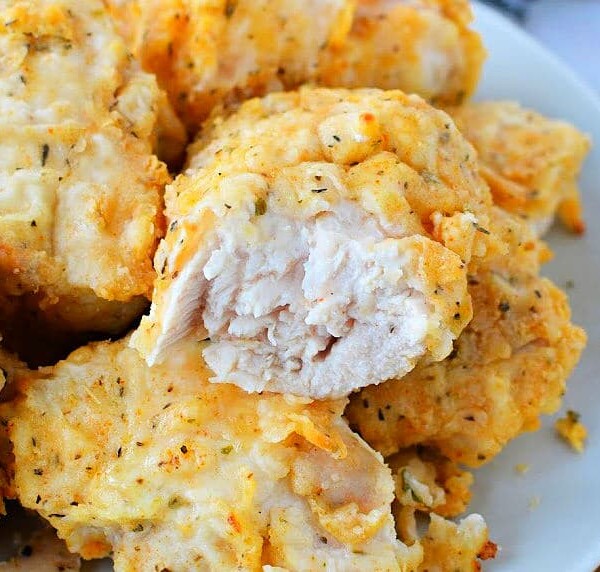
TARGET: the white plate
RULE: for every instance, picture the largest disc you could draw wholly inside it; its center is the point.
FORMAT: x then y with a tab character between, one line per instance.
561	534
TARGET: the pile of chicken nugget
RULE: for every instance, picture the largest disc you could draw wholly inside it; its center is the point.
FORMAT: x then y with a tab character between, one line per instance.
269	283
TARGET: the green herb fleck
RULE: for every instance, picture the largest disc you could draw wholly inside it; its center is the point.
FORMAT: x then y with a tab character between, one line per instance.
406	486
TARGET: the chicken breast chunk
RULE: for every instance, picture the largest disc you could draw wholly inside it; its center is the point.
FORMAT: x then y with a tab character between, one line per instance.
530	162
205	53
80	187
168	471
320	240
508	367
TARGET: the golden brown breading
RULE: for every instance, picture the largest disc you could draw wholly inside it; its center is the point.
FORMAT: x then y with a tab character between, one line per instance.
205	53
531	162
80	208
170	471
320	239
509	366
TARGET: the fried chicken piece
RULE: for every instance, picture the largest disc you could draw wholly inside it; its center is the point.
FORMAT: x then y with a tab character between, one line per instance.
320	240
166	470
531	162
205	53
80	208
508	366
423	46
43	552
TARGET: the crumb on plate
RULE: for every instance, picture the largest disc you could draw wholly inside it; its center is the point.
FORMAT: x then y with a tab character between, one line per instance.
522	468
572	430
534	502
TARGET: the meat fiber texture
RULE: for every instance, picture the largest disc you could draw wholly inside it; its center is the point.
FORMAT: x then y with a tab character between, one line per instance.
531	162
167	471
80	207
509	366
206	53
321	240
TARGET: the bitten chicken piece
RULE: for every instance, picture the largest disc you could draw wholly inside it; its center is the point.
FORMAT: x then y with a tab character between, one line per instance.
509	366
80	200
168	471
531	162
205	53
320	240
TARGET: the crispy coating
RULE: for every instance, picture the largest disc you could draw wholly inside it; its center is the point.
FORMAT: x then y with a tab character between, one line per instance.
169	471
509	366
424	47
80	208
320	239
205	53
531	162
